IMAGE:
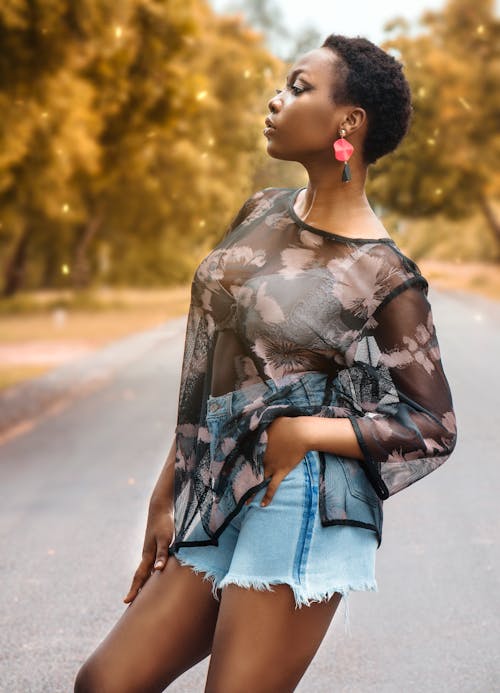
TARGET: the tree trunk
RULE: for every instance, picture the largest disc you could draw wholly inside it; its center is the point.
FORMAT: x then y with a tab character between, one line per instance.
81	272
492	221
16	265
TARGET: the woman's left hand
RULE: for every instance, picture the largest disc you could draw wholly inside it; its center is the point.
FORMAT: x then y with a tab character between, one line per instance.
286	446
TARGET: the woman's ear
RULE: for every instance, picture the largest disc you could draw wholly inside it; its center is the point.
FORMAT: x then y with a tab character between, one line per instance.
354	120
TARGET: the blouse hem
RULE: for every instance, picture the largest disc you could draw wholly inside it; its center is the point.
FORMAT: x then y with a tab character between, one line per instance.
173	548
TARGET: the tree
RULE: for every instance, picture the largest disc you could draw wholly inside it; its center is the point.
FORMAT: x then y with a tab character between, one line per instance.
132	128
448	163
48	131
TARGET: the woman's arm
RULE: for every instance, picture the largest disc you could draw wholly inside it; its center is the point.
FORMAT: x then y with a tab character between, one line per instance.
160	528
289	438
163	492
408	428
330	435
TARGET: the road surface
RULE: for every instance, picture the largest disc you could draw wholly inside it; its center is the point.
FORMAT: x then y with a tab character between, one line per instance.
74	488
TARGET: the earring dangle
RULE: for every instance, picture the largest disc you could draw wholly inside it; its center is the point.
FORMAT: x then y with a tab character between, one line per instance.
343	150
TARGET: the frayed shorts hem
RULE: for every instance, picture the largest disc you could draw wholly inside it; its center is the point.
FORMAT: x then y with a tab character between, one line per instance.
302	596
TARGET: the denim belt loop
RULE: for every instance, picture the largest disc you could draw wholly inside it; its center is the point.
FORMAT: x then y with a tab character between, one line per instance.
219	406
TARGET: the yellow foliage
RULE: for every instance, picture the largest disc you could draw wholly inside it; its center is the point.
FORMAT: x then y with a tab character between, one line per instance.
448	163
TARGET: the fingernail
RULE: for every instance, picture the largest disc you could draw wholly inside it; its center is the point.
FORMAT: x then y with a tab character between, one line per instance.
158	564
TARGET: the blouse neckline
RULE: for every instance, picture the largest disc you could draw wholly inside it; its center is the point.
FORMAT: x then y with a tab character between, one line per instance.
322	232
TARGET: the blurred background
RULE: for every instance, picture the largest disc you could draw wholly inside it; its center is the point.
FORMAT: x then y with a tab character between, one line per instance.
130	135
131	132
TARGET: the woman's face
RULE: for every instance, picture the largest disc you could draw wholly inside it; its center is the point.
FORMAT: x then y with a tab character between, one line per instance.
304	118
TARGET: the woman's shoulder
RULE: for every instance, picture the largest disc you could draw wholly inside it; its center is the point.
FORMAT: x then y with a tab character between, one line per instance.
269	193
399	258
257	205
273	189
379	260
393	268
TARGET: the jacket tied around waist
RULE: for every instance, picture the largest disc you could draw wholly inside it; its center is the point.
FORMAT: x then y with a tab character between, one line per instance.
232	444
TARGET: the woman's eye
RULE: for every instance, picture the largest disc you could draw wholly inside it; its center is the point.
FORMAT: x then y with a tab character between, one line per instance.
294	89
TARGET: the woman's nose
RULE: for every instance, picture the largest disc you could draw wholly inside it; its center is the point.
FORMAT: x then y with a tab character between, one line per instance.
274	104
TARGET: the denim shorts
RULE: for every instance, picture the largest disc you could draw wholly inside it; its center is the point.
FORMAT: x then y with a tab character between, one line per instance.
285	542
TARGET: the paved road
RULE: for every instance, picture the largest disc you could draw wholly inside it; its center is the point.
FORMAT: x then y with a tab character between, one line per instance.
74	488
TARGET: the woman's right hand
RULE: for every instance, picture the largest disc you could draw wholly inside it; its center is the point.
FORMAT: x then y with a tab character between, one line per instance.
160	530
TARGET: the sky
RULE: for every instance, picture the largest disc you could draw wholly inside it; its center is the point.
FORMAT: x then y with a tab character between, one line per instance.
349	17
355	17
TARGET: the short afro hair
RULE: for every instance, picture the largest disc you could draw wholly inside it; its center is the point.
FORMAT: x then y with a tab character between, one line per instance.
373	80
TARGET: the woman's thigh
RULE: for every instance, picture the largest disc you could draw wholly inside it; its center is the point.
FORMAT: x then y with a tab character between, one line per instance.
167	629
262	643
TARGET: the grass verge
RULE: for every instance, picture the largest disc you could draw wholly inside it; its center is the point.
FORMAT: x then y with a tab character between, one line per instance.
41	330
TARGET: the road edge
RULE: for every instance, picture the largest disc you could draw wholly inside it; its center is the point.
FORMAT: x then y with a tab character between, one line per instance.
23	404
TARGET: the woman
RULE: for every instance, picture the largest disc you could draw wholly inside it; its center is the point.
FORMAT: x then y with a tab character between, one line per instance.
312	389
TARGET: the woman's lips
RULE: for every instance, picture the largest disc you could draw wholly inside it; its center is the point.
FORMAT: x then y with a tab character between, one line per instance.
270	127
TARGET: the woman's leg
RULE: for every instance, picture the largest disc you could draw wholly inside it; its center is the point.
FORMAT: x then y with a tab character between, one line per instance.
167	629
262	644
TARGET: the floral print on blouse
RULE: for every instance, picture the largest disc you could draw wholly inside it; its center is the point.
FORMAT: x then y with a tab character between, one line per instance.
278	299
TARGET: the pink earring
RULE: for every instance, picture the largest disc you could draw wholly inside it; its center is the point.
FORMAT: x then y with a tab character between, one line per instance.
343	150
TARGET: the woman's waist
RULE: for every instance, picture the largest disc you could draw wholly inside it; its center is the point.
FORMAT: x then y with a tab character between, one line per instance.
300	389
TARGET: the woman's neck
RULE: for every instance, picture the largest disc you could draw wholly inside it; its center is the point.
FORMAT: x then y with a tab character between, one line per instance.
330	204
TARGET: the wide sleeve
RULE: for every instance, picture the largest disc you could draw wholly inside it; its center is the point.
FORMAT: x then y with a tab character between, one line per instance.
408	426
